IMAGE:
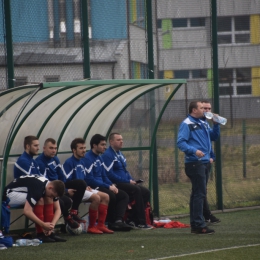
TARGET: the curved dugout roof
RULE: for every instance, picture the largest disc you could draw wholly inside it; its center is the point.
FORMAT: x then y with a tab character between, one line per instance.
65	110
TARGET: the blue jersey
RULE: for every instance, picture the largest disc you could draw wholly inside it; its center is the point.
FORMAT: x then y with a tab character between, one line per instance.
26	165
73	169
50	167
115	165
95	171
194	134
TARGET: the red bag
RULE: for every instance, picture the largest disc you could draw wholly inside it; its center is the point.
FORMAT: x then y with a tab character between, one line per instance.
149	214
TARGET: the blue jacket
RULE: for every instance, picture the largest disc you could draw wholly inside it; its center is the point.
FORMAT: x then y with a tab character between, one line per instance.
115	165
50	167
215	132
73	169
194	134
26	165
95	172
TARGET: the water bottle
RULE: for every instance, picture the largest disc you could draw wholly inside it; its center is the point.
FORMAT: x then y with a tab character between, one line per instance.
27	242
36	242
219	119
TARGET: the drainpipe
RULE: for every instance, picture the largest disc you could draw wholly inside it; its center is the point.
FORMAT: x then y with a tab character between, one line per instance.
77	29
62	8
51	23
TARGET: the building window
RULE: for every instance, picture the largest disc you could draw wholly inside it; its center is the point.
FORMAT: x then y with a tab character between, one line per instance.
197	22
179	22
20	81
184	22
199	74
190	74
234	30
188	22
52	78
181	74
235	82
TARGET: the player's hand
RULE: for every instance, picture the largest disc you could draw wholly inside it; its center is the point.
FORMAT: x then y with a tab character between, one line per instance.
88	188
71	192
199	153
114	189
132	182
48	226
47	233
214	122
211	160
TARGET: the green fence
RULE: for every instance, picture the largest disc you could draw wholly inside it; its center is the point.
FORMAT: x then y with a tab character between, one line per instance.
67	40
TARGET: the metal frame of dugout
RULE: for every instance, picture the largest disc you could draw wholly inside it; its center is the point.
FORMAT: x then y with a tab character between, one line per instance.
65	110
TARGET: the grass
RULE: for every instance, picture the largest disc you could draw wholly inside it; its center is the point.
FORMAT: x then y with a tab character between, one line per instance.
236	229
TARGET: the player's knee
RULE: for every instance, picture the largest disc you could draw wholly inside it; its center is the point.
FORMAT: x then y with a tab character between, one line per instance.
40	201
95	198
105	197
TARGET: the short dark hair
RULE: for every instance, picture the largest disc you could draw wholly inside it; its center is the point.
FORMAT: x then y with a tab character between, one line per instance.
112	135
29	139
59	187
205	101
193	104
75	142
49	140
96	139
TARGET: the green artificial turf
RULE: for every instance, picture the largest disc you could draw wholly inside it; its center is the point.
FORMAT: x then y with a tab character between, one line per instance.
240	228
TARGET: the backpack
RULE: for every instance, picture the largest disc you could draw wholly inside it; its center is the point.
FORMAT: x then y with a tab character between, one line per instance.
149	214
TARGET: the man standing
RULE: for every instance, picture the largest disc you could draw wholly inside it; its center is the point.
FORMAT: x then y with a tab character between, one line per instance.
115	165
74	169
208	216
50	167
34	192
194	140
96	177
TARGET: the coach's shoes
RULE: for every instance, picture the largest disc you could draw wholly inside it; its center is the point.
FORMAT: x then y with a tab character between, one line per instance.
104	229
57	238
212	219
119	226
45	239
145	227
132	224
94	230
202	231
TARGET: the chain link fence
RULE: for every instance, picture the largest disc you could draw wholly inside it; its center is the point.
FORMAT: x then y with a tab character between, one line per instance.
48	45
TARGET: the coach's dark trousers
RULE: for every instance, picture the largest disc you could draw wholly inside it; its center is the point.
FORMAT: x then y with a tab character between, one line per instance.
141	195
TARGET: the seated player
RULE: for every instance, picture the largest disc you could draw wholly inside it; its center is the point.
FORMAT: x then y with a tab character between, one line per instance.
35	192
50	167
115	165
96	177
74	169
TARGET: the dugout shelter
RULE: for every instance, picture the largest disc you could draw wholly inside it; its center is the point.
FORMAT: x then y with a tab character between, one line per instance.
66	110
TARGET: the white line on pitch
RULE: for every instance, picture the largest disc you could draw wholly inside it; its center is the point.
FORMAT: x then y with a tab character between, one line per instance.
203	252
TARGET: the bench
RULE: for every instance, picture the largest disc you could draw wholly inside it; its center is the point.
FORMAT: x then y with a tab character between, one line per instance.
83	210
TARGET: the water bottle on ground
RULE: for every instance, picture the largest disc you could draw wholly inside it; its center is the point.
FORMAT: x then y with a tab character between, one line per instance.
219	119
27	242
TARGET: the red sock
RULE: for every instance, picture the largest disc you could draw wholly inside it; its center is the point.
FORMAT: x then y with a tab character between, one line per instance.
73	212
102	214
48	212
92	217
38	211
